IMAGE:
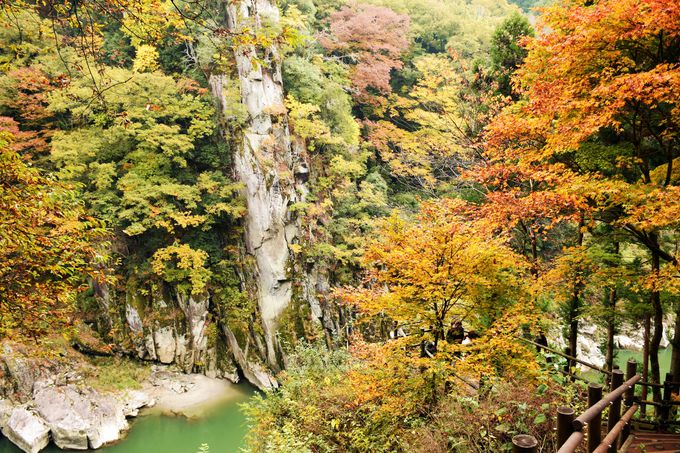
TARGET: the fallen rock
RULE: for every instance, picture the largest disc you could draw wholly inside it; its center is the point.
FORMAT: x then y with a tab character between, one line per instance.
26	430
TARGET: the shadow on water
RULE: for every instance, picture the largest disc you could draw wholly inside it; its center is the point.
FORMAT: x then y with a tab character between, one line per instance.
223	429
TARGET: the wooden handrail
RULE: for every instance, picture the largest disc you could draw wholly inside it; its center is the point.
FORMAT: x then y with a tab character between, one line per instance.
593	414
566	356
601	405
572	442
612	436
653	384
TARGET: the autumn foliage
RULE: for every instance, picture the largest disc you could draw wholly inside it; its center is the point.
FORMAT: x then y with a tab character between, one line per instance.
373	39
48	247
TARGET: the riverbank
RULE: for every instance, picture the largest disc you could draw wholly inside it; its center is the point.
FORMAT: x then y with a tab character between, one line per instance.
222	426
77	402
188	395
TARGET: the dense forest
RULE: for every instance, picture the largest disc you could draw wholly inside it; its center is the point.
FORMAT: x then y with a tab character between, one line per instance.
367	209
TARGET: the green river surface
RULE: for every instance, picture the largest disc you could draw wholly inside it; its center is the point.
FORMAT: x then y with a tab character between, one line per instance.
223	428
623	355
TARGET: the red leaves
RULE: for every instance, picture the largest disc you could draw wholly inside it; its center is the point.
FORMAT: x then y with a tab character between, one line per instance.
373	38
595	63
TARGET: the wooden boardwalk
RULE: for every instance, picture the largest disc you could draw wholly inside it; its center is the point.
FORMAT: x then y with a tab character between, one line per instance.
652	442
625	429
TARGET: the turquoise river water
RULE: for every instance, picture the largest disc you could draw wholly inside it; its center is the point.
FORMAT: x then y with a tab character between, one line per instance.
623	355
223	429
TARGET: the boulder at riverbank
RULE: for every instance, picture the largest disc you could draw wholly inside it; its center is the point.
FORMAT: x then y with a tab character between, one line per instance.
62	396
26	430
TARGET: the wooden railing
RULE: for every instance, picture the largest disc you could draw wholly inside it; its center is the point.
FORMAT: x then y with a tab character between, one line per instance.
570	429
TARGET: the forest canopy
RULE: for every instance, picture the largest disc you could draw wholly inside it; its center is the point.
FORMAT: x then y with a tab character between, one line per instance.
381	203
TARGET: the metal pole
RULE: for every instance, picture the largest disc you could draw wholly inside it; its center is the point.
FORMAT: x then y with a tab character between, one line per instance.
615	408
595	424
524	443
565	415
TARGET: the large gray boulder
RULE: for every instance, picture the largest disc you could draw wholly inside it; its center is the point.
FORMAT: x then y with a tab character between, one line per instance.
81	417
26	430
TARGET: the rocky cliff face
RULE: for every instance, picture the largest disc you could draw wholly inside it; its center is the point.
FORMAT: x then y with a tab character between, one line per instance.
273	173
190	332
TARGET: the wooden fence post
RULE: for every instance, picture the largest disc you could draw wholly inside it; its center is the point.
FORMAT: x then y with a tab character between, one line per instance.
594	425
524	443
631	370
615	408
666	400
565	415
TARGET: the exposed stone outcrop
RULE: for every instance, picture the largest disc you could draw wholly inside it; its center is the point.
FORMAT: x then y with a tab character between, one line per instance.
253	371
79	418
26	430
266	163
174	330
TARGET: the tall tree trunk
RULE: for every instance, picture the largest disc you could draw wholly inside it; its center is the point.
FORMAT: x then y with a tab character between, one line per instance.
675	358
658	323
611	320
575	302
645	361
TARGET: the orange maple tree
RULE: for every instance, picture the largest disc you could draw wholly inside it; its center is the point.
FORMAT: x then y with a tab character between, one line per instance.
600	117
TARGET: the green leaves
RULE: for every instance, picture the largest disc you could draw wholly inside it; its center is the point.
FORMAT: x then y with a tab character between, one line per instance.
540	418
145	160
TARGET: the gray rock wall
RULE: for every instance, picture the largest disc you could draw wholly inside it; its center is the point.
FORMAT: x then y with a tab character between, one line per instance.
266	163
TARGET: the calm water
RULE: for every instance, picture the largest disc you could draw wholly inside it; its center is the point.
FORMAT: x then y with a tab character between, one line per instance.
621	358
223	430
623	355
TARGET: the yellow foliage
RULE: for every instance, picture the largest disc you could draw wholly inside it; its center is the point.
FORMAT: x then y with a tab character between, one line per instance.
181	264
146	59
438	269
